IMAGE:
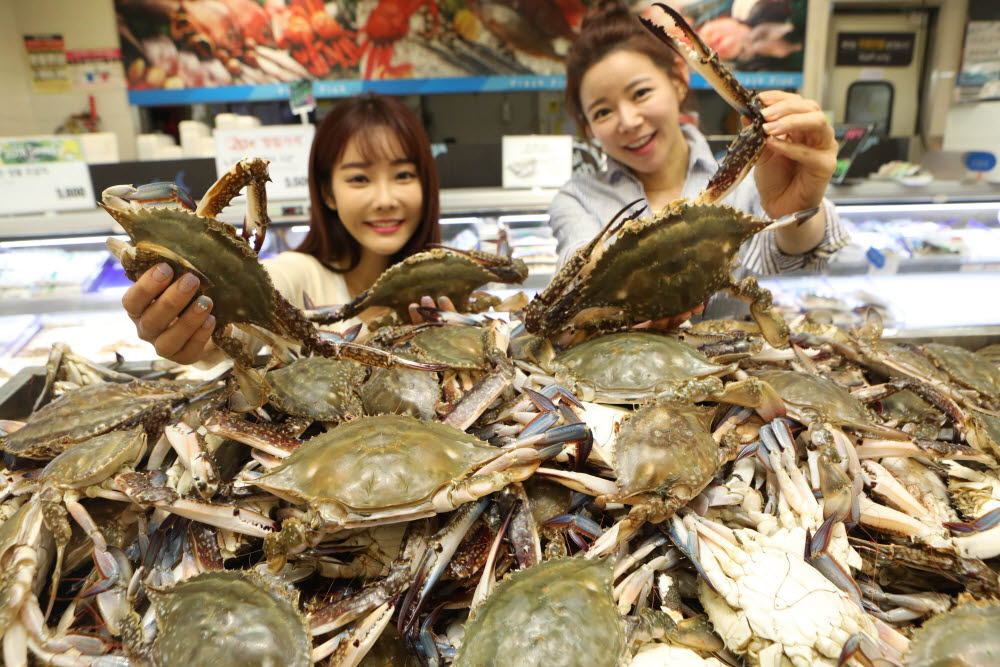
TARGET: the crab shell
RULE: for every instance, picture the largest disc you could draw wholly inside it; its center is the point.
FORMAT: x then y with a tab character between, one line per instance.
560	612
83	413
665	446
629	367
437	272
316	387
95	460
386	468
657	267
212	250
966	636
966	368
459	346
803	392
401	391
229	618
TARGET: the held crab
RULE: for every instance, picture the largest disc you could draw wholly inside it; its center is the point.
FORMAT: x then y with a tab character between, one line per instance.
667	264
227	267
436	272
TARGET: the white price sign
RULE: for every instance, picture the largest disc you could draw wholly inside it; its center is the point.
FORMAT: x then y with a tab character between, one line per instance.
286	146
40	174
536	161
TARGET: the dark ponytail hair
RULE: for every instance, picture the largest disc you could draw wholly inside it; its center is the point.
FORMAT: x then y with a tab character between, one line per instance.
609	27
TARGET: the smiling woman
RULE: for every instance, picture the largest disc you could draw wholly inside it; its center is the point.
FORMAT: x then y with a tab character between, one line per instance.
626	90
373	189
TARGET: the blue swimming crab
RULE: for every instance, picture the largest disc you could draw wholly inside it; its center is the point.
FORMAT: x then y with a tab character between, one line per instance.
162	228
651	268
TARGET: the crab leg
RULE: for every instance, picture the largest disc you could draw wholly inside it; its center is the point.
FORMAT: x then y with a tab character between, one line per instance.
139	487
440	549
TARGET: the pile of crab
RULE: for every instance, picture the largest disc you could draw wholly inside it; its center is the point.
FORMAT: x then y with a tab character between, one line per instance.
521	482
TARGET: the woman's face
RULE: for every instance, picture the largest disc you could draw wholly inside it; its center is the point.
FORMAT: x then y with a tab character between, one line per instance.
632	108
378	200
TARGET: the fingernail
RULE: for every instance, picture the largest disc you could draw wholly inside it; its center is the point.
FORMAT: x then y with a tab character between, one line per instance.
162	272
768	112
188	283
769	127
209	322
203	302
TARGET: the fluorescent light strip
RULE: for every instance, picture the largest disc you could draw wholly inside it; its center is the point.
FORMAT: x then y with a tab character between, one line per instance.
297	229
918	208
73	240
460	221
505	219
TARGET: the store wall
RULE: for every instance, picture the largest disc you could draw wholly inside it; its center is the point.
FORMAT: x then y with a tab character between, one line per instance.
15	112
84	24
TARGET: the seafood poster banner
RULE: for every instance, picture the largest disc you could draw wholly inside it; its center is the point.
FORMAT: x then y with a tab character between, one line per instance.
181	52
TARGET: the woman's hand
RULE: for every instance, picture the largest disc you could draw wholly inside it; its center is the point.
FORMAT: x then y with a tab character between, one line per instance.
443	303
164	315
801	154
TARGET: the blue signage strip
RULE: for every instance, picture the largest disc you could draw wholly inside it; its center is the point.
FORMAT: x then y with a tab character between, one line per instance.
470	84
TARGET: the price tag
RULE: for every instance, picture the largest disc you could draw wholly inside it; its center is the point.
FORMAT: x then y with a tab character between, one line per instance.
531	161
40	174
286	146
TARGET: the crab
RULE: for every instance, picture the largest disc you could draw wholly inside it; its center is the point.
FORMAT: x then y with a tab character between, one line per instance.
664	455
669	263
26	550
83	413
563	611
768	604
229	273
229	618
436	273
401	391
944	639
316	388
85	470
385	469
627	367
968	370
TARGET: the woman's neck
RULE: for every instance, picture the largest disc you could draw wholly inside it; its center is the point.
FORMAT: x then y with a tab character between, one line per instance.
364	275
666	183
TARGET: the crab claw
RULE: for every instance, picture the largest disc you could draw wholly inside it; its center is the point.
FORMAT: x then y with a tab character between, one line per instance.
817	556
249	172
150	194
747	147
704	60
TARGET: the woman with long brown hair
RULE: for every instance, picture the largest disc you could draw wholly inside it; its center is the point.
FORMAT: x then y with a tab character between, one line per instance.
373	189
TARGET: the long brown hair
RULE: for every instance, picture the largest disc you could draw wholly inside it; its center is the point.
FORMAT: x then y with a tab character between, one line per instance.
328	239
609	27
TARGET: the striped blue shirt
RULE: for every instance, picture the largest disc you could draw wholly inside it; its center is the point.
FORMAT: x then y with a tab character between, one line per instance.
587	202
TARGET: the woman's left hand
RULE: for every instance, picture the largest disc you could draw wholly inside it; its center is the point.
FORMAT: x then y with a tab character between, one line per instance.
800	157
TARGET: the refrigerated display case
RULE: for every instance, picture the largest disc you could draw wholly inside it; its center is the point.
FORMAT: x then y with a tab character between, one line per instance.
928	258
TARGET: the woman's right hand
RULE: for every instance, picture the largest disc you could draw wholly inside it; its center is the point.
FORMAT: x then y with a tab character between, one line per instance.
164	314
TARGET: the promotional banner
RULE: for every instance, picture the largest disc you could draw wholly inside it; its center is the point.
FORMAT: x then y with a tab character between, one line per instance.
184	51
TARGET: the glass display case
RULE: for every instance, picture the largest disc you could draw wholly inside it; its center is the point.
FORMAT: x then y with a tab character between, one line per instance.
928	258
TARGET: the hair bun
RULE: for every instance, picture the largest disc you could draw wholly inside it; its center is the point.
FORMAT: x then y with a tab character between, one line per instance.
606	12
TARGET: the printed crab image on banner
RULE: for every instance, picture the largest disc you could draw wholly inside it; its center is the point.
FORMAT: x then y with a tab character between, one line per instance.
749	35
182	51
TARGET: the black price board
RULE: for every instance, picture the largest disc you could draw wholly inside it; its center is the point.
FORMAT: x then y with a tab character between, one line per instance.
852	140
875	49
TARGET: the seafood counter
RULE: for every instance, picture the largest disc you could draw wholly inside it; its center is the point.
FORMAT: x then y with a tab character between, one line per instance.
507	484
519	480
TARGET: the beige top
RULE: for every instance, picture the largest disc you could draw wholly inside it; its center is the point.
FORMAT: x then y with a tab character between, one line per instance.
296	273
